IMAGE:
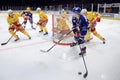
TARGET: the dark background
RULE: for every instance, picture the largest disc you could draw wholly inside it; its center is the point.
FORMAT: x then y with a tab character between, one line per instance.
22	4
50	2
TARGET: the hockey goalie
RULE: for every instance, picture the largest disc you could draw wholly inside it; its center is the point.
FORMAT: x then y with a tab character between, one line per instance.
62	26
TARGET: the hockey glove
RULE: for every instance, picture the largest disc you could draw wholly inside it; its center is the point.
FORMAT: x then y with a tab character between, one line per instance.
26	18
80	40
39	22
75	30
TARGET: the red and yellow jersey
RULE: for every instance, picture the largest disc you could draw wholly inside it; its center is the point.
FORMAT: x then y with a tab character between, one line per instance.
13	19
98	17
93	23
43	16
93	18
90	16
98	14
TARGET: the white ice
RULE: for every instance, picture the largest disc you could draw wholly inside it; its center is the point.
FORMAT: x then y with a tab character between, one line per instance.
23	60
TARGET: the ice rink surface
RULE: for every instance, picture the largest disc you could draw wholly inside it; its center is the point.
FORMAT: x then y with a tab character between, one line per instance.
23	60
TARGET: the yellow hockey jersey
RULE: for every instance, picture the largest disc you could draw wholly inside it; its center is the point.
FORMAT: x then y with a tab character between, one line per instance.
13	19
18	14
43	16
90	16
98	14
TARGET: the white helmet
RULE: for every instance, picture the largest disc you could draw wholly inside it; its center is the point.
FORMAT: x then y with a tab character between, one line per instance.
38	9
10	11
83	11
63	9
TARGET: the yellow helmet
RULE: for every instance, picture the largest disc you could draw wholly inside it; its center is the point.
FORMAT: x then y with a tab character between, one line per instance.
28	8
90	16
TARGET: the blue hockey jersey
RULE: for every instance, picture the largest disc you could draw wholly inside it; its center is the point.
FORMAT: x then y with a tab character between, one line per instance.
82	23
27	13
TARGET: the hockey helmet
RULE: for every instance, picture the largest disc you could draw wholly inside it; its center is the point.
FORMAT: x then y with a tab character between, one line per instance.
76	10
83	11
38	9
10	11
63	9
28	8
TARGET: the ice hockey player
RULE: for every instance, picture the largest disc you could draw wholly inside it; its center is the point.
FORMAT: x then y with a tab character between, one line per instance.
28	15
80	26
93	19
42	21
13	21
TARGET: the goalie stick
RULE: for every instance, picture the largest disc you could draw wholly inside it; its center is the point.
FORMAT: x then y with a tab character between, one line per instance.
86	73
56	43
8	39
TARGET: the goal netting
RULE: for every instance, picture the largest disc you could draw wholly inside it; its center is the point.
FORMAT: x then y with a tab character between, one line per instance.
62	25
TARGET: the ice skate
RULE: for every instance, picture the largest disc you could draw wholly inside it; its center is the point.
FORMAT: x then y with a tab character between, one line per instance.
33	28
45	33
24	27
29	37
103	40
16	39
40	31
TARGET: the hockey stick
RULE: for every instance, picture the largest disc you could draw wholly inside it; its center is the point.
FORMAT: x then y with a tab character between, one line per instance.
36	25
86	73
56	43
9	39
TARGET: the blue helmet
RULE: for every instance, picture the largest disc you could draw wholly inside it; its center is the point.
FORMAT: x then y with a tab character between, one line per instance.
76	10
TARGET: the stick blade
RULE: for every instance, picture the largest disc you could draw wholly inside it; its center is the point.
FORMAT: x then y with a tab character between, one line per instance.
43	51
85	75
3	43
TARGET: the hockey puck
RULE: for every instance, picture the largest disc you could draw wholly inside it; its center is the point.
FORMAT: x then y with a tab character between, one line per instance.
79	73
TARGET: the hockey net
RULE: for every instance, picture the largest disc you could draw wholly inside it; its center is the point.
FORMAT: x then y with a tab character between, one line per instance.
62	25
